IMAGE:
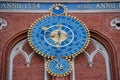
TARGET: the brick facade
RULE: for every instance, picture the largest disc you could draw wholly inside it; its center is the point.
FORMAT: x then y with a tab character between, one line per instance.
99	26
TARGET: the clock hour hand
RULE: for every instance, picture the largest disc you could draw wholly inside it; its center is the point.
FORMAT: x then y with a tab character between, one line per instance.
59	33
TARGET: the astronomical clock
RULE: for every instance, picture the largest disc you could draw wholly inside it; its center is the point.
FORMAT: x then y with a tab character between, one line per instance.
58	37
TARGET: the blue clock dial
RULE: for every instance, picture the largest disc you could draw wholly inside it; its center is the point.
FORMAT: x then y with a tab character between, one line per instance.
58	36
59	66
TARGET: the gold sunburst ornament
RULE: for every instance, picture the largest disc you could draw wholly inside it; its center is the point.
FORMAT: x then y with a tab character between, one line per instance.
59	37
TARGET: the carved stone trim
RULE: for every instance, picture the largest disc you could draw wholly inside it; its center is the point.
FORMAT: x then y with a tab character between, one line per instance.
3	23
101	50
115	23
18	49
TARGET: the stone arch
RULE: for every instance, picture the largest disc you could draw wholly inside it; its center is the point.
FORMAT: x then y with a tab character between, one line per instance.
110	48
6	52
99	49
17	49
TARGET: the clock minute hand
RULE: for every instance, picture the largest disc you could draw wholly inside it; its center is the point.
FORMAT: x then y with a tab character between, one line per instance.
59	30
59	35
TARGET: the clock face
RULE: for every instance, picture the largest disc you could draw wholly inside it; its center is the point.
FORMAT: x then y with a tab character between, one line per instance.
59	67
58	36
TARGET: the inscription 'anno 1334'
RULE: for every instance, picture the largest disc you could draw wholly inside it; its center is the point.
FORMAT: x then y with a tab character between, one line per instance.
45	6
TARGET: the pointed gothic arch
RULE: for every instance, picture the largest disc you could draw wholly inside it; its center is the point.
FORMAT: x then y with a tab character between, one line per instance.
110	48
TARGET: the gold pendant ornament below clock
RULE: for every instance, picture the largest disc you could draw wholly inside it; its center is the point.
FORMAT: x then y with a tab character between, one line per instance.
59	37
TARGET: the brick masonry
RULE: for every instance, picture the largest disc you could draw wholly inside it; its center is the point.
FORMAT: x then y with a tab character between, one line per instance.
98	22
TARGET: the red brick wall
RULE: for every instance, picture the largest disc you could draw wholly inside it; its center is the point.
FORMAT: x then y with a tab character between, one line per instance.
84	72
22	72
96	22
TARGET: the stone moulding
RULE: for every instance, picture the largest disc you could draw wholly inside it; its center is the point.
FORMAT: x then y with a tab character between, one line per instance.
68	1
